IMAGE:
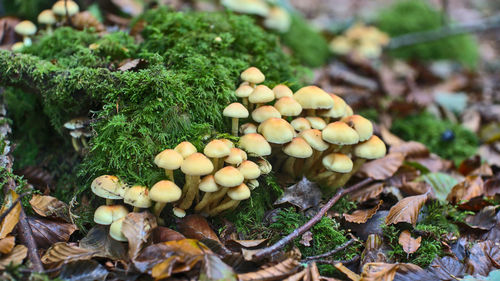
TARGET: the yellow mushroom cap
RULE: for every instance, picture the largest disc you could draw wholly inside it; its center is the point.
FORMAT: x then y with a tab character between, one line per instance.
265	112
239	193
261	94
276	130
168	159
228	177
253	75
341	45
253	184
59	8
178	212
236	156
337	162
216	149
227	142
46	17
255	144
281	91
300	124
235	110
298	148
185	149
363	126
371	149
316	122
115	230
348	111
244	91
208	184
264	166
25	28
248	128
249	170
312	97
109	187
314	138
165	191
287	106
137	196
340	133
106	215
338	109
278	19
197	164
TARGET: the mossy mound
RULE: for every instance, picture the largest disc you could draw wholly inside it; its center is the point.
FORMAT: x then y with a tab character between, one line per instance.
191	65
448	140
417	15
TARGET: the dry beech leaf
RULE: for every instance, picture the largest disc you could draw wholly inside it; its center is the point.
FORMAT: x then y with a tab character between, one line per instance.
409	244
98	241
215	269
7	244
446	268
410	149
83	270
492	187
484	257
164	234
472	186
415	187
274	272
15	257
47	232
64	252
197	227
48	206
370	192
361	216
385	271
383	168
137	227
349	273
304	195
406	210
484	219
10	221
389	138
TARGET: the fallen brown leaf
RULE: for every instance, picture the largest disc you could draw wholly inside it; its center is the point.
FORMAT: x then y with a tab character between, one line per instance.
98	241
484	219
47	232
83	270
304	195
51	207
84	20
7	244
275	272
164	234
197	227
388	137
361	216
446	268
370	192
385	271
12	218
484	257
472	186
137	227
61	252
410	149
383	168
15	257
409	244
406	210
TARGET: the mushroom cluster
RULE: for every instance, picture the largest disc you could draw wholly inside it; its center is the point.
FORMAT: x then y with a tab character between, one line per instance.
307	133
79	131
360	40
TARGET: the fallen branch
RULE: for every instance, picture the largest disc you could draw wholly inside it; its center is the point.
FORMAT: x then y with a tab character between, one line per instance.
332	252
315	219
447	31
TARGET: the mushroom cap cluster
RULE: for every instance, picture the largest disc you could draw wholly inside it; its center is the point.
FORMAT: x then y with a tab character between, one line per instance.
360	40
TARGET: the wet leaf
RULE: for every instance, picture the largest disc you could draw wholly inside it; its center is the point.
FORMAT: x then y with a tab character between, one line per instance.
12	218
361	216
441	184
197	227
474	166
275	272
446	268
492	187
132	65
406	210
164	234
83	270
409	244
62	252
383	168
484	257
370	192
47	232
137	227
48	206
484	219
415	187
304	195
410	149
471	187
385	271
214	269
15	257
7	244
98	241
248	244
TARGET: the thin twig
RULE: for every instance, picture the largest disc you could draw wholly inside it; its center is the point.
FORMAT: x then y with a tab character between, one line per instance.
315	219
332	252
353	260
4	214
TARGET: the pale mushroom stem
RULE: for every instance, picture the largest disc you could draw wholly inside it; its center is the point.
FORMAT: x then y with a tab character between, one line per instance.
234	127
310	161
228	205
205	201
158	208
74	142
109	202
245	102
191	188
49	29
169	174
26	41
215	162
289	165
84	142
217	196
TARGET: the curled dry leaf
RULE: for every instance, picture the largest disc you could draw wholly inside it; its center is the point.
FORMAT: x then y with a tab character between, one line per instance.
47	232
385	271
492	187
484	257
409	244
196	227
383	168
410	149
304	195
406	210
484	219
472	186
215	269
98	241
415	187
446	268
164	234
83	270
15	257
7	244
51	207
12	218
389	138
276	272
62	252
370	192
137	227
361	216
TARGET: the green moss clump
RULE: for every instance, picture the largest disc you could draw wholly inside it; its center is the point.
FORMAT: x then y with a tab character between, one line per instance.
307	44
417	15
427	129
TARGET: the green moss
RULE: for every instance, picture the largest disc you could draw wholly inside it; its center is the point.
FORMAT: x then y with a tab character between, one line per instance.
307	44
428	130
417	15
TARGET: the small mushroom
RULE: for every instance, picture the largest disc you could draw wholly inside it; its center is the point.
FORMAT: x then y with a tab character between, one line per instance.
115	230
335	163
278	19
312	98
300	124
216	150
236	157
236	195
76	123
277	131
106	215
193	167
138	196
226	177
281	91
249	170
47	18
316	122
64	9
109	187
17	47
361	125
178	212
265	112
209	186
244	92
254	7
253	184
236	111
261	95
264	166
185	149
26	29
248	128
75	135
314	138
163	192
253	76
337	111
169	160
297	148
288	107
255	144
